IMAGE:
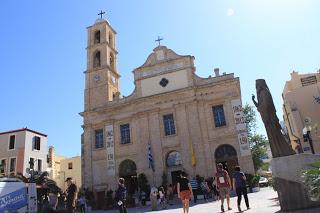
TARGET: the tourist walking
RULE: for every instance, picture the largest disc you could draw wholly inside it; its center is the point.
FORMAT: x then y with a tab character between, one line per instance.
71	194
205	189
223	183
143	198
153	198
215	192
239	184
170	193
120	196
195	188
184	191
82	204
162	195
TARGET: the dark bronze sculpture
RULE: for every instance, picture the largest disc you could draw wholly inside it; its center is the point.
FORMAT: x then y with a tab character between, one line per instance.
265	106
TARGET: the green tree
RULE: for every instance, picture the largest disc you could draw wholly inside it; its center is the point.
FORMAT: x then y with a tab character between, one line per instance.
250	119
258	148
258	142
143	182
311	179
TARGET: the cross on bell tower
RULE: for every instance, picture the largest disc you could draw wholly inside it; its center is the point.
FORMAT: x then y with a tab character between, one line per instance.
101	13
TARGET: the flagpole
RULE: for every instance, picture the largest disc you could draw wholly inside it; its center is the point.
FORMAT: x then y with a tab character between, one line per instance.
193	158
151	163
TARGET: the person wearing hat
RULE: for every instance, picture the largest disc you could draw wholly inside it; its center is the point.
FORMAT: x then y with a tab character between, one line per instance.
71	195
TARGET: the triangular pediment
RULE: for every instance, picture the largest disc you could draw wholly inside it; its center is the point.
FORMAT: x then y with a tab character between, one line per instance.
160	54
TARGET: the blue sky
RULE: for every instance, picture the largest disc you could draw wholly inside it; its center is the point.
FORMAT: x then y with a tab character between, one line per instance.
43	52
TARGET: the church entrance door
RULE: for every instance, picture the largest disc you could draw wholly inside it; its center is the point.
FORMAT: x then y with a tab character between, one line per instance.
101	199
227	155
128	171
175	176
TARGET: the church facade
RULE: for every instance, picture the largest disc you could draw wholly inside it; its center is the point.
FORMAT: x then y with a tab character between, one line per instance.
173	121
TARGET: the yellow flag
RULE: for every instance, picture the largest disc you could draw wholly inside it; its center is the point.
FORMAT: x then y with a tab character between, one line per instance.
193	156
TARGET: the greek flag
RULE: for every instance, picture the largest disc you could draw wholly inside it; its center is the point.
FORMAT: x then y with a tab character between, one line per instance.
150	158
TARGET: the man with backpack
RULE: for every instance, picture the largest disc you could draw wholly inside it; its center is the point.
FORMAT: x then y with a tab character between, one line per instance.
223	182
240	185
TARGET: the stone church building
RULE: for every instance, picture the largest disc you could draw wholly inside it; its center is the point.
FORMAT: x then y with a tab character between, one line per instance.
173	121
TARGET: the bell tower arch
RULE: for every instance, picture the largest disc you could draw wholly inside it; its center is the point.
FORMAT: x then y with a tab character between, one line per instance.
101	75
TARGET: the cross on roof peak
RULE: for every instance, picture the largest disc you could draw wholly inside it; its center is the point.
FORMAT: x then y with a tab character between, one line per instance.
159	40
101	13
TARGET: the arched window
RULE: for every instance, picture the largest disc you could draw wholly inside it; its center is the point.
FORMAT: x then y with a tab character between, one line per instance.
127	168
97	37
225	152
174	159
110	39
111	61
97	59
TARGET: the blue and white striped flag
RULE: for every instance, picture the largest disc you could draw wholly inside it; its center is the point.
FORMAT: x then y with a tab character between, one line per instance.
150	158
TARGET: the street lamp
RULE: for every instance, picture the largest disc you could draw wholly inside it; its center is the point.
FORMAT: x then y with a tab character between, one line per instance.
306	131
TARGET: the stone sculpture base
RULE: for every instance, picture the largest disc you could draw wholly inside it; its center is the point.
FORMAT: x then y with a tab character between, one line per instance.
286	172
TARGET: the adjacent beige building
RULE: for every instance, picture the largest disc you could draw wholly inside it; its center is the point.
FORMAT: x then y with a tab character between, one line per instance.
301	109
173	121
61	167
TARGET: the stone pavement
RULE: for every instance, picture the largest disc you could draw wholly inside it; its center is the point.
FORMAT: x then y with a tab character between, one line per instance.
264	201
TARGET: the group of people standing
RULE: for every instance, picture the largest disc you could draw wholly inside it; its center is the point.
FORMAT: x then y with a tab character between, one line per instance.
222	181
221	187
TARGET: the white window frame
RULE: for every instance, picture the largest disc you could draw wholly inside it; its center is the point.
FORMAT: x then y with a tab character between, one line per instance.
15	166
15	139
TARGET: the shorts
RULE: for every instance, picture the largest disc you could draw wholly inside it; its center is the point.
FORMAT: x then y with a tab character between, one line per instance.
185	195
223	191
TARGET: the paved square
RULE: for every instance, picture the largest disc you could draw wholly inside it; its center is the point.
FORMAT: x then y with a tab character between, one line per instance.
264	201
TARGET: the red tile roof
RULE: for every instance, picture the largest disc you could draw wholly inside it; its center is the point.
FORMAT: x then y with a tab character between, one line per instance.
23	129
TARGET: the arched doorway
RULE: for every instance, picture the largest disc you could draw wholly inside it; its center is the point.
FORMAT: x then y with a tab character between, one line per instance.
227	155
128	170
174	162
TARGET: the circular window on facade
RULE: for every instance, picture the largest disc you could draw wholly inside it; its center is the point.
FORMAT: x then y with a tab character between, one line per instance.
174	159
164	82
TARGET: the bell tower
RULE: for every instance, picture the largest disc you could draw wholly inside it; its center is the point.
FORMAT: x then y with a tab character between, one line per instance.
101	76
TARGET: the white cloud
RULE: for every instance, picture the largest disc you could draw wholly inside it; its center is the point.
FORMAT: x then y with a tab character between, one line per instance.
230	12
